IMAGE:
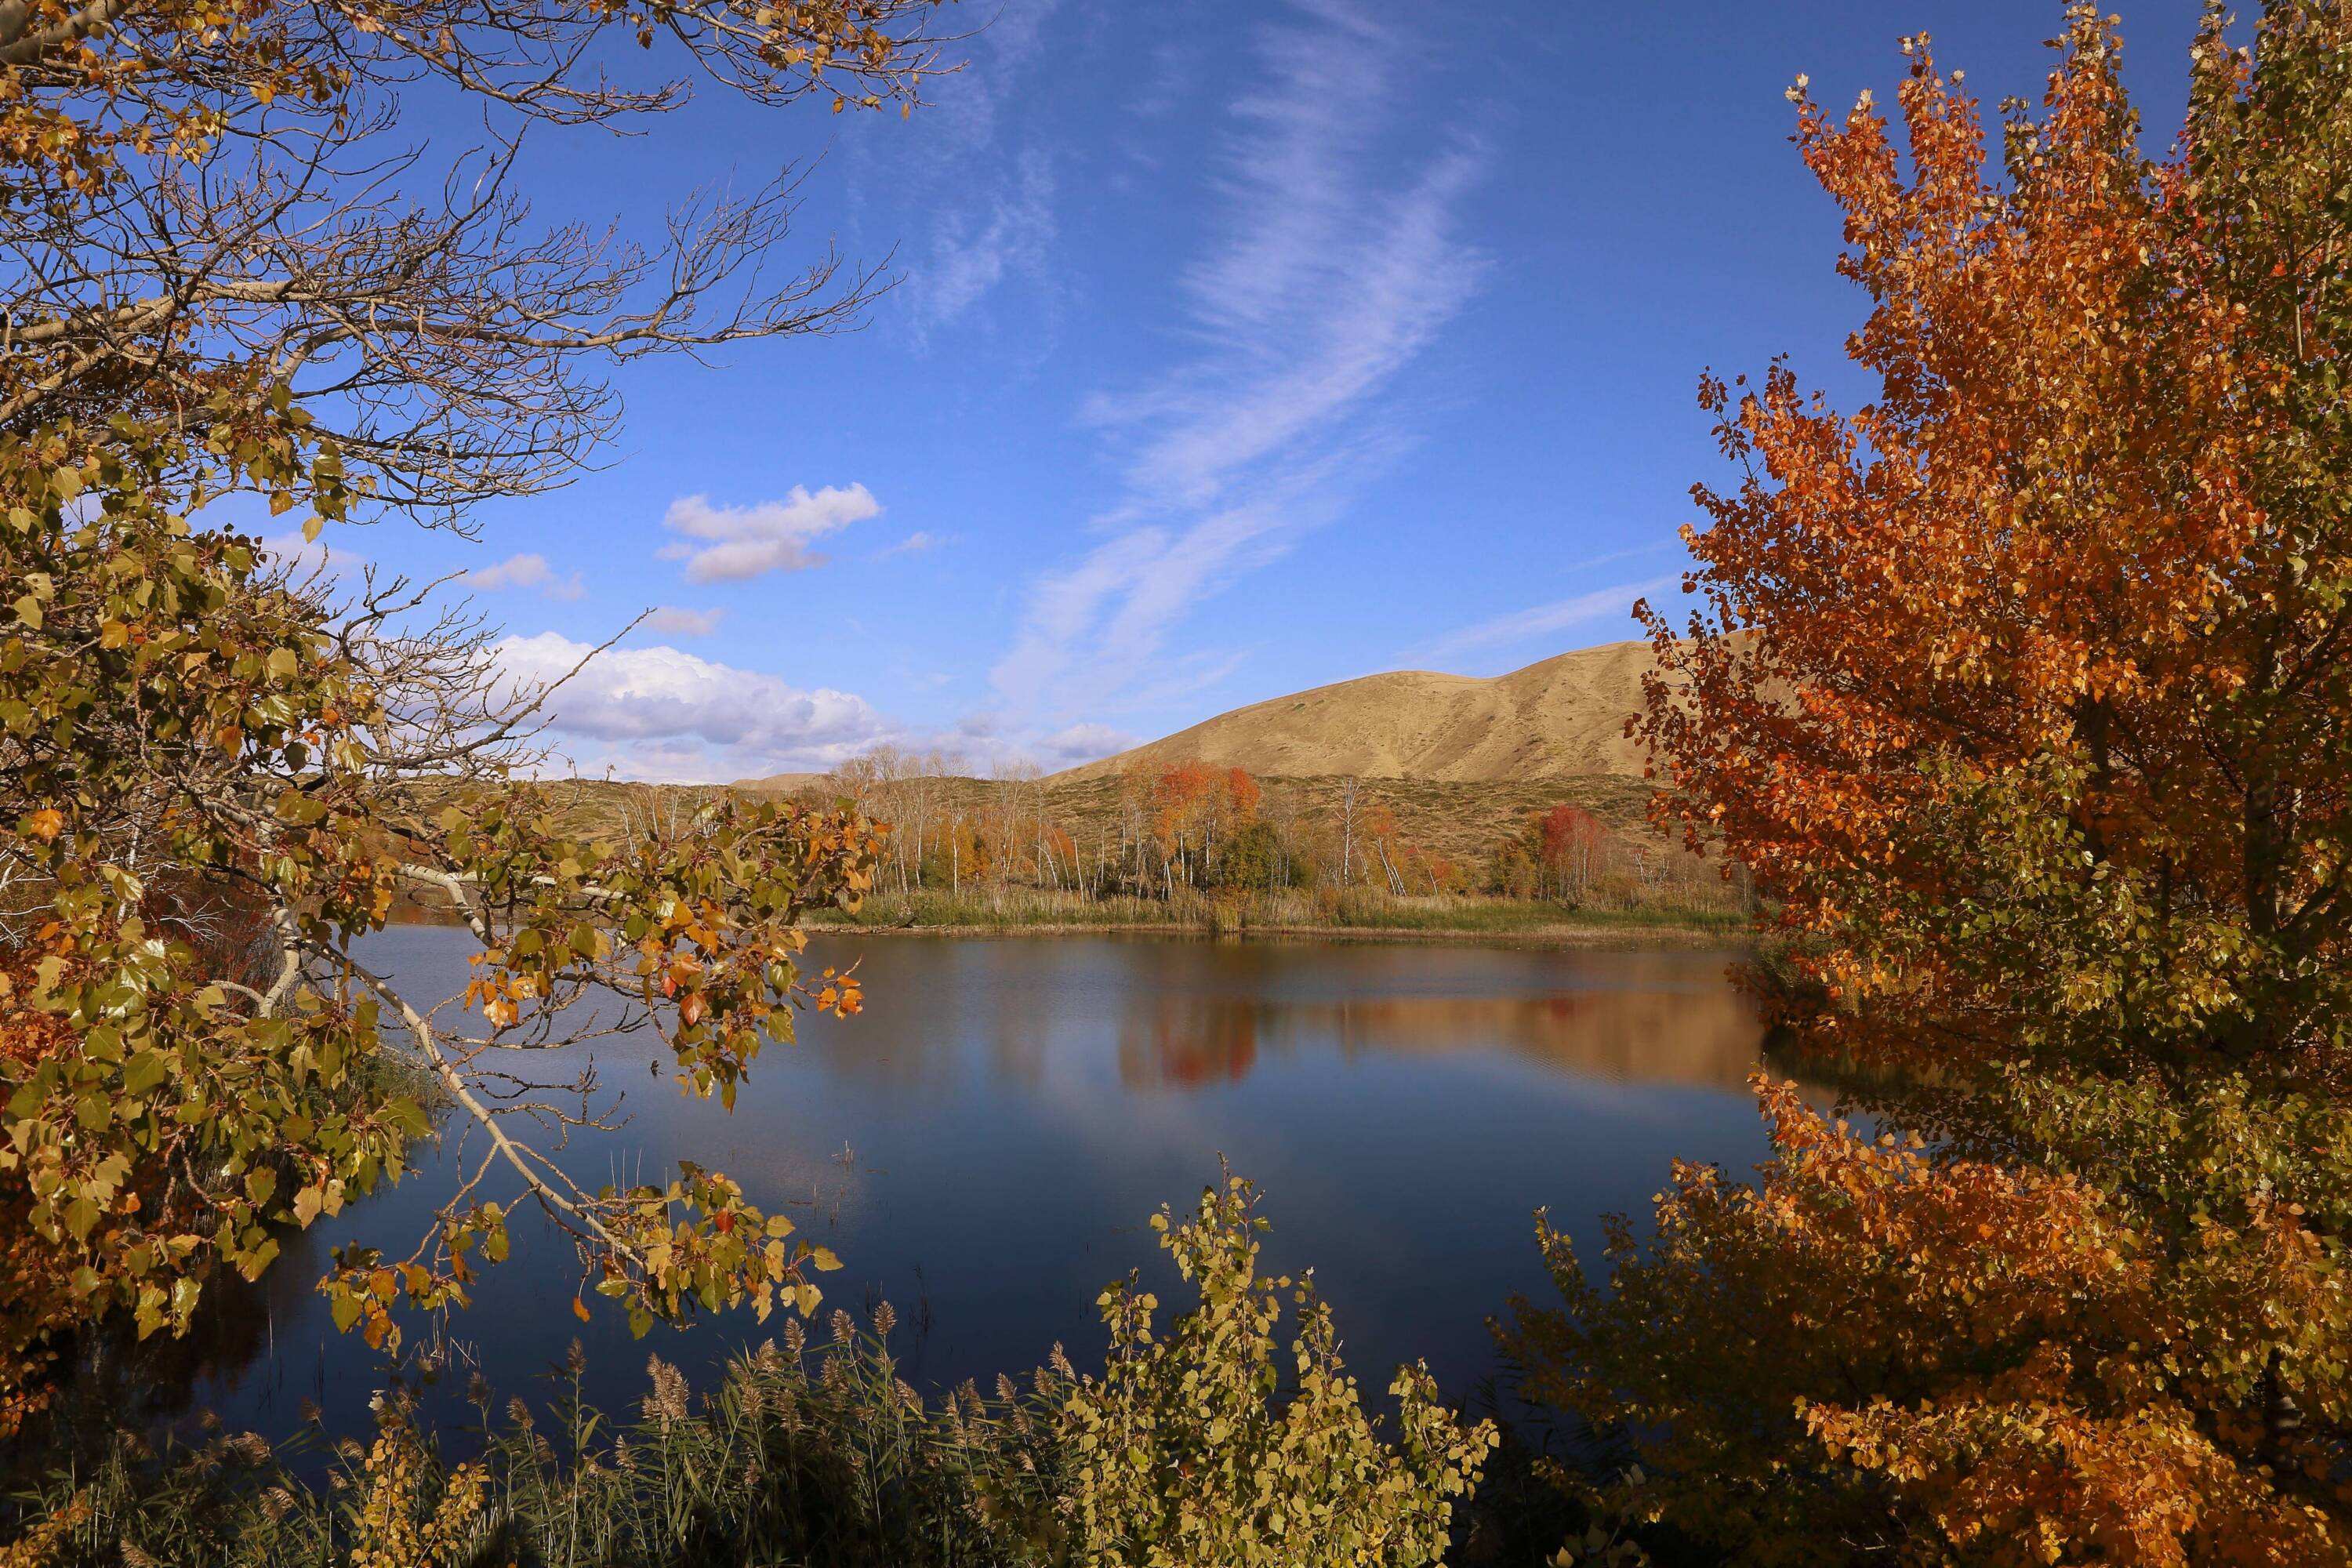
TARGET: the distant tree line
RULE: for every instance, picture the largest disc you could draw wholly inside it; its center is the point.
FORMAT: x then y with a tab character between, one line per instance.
1166	830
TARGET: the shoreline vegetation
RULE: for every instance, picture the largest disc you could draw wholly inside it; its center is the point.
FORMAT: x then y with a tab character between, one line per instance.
1031	912
1187	847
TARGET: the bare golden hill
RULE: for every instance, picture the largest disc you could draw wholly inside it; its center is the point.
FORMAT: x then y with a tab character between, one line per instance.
781	783
1562	717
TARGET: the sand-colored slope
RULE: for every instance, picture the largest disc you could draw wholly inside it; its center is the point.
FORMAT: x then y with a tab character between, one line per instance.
780	783
1564	716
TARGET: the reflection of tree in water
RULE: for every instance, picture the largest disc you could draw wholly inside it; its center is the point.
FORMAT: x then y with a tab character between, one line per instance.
1708	1036
117	1381
1187	1041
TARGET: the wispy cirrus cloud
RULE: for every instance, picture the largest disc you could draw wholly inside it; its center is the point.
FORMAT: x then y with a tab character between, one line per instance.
1335	261
730	543
1610	606
974	249
995	213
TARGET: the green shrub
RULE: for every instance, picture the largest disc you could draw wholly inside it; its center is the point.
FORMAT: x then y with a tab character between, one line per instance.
1185	1452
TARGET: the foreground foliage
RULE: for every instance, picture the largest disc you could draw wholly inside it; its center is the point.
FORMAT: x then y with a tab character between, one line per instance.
1181	1455
1191	1448
205	765
1942	1360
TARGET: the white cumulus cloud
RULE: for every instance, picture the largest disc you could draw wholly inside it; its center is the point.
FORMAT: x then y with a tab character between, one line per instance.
661	712
730	543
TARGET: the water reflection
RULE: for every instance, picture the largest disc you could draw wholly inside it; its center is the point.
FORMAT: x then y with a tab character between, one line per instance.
981	1146
1706	1035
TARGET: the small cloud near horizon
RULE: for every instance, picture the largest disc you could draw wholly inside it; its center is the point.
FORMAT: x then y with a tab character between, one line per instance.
664	715
733	543
915	543
675	620
662	711
528	570
302	556
1079	743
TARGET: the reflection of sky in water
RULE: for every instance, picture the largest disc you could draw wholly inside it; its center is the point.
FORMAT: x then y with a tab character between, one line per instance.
988	1139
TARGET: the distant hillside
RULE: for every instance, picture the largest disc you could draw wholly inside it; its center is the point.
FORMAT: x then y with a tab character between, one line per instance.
781	784
1564	717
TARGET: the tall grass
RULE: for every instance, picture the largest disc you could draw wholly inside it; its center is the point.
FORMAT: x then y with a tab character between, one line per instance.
822	1456
799	1454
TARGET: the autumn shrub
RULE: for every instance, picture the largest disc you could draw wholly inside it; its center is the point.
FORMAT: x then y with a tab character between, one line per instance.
1873	1350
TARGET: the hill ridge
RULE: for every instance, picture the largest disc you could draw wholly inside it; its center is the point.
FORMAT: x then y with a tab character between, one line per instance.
1557	717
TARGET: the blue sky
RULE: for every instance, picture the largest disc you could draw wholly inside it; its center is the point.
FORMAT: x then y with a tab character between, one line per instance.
1237	348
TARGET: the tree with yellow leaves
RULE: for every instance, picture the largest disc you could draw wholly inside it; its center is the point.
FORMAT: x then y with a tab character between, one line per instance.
216	776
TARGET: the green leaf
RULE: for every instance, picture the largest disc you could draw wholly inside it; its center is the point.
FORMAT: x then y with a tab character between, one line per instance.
144	1071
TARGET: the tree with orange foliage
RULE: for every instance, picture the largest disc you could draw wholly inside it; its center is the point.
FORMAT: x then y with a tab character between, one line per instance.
1569	840
1242	794
1878	1355
2024	694
1183	799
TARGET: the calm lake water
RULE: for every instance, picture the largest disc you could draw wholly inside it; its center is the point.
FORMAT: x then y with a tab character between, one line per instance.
982	1146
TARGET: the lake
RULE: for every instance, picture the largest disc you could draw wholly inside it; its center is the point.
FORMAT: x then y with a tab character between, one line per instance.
984	1145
